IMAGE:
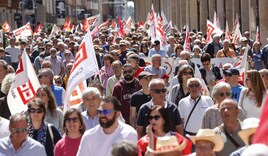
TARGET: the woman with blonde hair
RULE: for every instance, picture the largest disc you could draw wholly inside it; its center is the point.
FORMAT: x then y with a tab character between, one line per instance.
54	115
252	99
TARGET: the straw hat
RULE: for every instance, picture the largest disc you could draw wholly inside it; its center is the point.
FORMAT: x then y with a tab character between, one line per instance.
167	144
249	127
208	135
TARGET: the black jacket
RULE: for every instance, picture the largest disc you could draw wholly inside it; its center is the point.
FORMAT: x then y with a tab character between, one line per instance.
216	71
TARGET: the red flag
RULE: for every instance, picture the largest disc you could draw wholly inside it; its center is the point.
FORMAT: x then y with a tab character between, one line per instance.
113	25
227	32
212	29
95	32
66	24
261	136
104	24
24	87
38	29
258	34
121	27
85	25
6	27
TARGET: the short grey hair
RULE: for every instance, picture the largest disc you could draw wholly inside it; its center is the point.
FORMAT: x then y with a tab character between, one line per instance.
6	83
193	79
17	117
91	90
155	56
218	87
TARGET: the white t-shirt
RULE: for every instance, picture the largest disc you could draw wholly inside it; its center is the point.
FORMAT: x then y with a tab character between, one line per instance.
97	143
186	105
14	53
4	127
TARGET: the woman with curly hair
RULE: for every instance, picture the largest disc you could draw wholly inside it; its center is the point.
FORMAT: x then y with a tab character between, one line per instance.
252	99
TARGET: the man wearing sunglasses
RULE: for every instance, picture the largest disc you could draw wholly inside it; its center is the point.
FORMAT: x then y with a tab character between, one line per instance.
157	91
18	143
99	140
192	107
125	88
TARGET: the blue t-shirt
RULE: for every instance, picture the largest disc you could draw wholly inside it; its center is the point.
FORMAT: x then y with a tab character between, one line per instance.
236	92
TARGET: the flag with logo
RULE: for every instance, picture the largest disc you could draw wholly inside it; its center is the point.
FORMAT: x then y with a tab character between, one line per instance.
55	30
24	31
6	27
212	29
187	43
38	29
227	32
24	87
85	66
152	22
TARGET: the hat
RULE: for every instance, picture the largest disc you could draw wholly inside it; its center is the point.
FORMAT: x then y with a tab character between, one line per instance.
156	42
122	42
234	71
167	144
249	127
243	39
144	74
208	135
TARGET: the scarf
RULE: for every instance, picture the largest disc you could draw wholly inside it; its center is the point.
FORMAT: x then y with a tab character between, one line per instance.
41	133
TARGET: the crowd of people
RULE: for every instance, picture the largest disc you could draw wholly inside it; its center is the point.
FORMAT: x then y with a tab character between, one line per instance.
131	107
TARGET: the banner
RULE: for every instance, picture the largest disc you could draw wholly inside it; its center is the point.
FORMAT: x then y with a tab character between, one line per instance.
85	66
60	9
24	87
6	27
23	32
212	29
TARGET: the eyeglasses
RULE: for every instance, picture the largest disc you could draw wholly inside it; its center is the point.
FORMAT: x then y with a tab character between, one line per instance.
39	110
18	130
188	73
156	117
127	72
106	112
159	91
194	85
227	94
74	120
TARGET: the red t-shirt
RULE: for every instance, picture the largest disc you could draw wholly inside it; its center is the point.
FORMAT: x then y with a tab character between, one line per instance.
144	142
67	146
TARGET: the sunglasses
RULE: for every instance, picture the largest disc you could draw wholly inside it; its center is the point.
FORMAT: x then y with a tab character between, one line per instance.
106	112
194	85
58	82
227	94
18	130
127	71
74	120
159	91
156	117
188	73
39	110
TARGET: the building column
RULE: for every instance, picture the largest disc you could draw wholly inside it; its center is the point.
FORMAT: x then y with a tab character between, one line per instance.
221	13
263	20
203	15
245	15
192	14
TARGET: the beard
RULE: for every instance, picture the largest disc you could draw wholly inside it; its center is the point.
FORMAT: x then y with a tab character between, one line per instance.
108	123
128	77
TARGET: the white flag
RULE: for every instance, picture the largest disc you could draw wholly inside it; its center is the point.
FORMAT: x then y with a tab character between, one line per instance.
85	66
187	43
216	21
23	32
197	74
93	20
1	36
55	30
24	87
212	29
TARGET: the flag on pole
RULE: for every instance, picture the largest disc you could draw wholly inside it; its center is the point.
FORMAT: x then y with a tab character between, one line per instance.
65	26
261	137
227	32
187	43
6	27
212	29
54	31
1	36
85	66
121	27
128	25
90	21
167	29
258	36
237	35
216	21
24	31
152	22
161	36
104	24
198	75
236	23
164	19
242	66
38	29
24	87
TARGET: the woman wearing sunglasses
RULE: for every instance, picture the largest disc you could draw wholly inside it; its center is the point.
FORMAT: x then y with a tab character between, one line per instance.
39	130
212	117
252	99
159	127
53	114
180	90
74	128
